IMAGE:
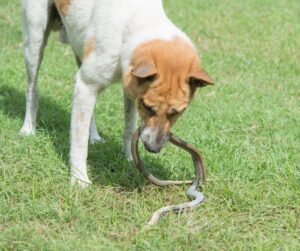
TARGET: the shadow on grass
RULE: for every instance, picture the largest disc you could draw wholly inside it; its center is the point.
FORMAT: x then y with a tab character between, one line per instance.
106	162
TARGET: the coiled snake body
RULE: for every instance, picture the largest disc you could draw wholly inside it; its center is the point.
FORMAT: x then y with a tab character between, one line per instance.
193	189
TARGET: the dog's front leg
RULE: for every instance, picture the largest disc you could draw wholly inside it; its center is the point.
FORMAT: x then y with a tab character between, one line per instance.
94	135
85	96
130	115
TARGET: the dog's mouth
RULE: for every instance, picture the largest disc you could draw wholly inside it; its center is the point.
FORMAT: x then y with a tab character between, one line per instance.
157	144
153	138
152	149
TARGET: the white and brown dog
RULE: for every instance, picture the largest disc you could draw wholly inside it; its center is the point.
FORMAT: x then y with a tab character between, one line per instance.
111	39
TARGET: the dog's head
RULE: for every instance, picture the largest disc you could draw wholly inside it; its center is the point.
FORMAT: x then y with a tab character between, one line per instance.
162	79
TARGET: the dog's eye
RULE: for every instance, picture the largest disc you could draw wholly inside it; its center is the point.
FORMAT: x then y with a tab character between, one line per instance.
174	113
148	79
147	108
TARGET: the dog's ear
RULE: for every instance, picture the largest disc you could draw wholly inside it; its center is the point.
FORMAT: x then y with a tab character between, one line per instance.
199	78
144	69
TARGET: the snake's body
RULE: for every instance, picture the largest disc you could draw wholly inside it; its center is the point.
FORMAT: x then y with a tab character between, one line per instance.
192	192
193	189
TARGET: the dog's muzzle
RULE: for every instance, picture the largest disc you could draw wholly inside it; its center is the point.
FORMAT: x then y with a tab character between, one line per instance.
154	139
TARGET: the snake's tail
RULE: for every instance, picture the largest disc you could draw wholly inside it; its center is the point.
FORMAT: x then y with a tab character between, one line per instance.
199	198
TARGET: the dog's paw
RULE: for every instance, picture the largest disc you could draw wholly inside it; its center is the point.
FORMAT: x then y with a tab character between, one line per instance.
80	183
27	131
128	157
127	154
94	139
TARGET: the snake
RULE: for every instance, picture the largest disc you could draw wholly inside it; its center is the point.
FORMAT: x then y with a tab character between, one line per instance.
192	191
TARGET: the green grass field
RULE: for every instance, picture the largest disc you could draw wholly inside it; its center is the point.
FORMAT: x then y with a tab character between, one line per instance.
247	127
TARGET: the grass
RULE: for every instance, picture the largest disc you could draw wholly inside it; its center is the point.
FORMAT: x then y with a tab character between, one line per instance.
247	127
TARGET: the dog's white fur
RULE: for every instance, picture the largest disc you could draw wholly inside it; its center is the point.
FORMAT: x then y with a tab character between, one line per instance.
116	27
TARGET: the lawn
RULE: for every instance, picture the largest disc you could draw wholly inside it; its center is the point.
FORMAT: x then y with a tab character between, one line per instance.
247	127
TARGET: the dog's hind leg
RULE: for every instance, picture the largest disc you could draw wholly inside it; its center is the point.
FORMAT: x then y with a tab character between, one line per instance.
130	114
37	17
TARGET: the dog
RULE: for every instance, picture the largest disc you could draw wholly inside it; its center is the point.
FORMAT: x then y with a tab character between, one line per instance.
129	40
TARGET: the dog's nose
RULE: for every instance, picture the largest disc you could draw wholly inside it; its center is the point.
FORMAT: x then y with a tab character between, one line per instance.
154	139
152	149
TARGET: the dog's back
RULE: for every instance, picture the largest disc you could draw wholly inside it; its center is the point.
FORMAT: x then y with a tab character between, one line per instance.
115	24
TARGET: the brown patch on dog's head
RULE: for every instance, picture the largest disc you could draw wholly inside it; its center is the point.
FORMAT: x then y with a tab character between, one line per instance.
162	78
62	6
